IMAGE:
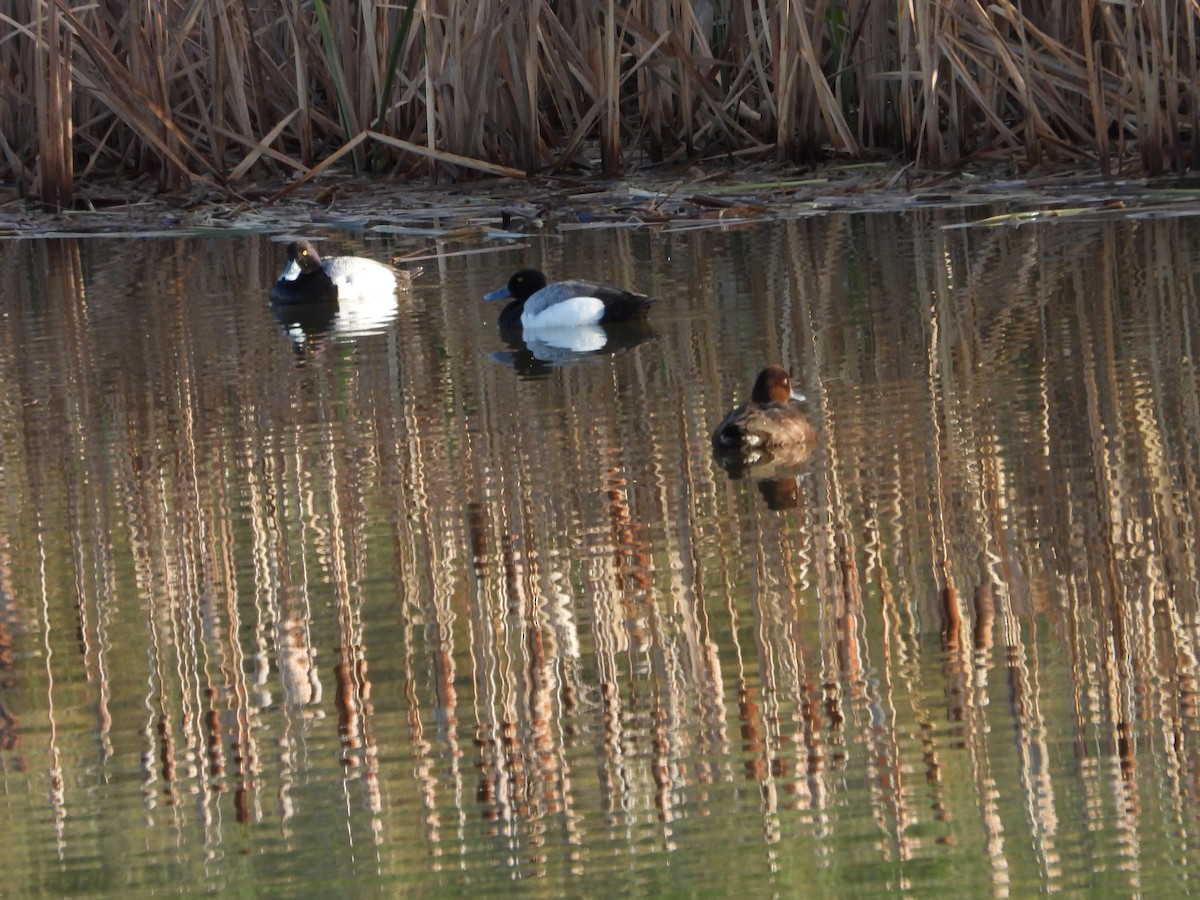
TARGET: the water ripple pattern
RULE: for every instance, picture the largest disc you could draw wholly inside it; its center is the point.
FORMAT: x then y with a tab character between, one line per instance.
412	609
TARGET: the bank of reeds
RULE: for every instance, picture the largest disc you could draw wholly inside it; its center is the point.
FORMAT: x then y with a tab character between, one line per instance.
225	93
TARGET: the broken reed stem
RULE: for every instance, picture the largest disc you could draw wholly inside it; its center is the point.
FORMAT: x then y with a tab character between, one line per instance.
242	90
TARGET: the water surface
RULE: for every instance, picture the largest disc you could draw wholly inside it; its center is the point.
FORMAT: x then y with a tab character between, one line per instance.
392	605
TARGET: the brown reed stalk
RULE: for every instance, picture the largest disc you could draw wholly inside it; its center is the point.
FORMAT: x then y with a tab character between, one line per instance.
610	64
1091	60
868	52
55	166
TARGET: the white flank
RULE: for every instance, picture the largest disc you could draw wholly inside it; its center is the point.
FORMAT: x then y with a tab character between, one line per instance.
567	314
360	279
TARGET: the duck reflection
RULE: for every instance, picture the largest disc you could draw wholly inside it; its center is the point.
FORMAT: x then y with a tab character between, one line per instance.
310	326
775	471
535	352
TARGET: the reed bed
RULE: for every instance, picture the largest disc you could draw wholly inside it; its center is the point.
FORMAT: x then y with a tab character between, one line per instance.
222	95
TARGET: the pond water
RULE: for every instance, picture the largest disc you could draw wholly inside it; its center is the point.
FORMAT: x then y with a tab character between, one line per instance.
391	605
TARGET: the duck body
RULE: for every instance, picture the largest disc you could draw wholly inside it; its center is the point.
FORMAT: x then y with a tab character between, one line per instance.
307	278
773	419
537	304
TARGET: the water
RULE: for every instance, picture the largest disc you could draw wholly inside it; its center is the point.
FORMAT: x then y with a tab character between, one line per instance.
399	608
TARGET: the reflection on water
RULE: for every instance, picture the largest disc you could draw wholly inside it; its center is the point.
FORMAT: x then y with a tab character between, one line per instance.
536	352
402	617
316	324
774	471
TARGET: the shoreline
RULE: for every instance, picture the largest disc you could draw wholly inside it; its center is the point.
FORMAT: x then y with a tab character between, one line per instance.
650	198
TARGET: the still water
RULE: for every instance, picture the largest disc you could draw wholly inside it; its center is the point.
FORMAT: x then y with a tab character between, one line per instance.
393	607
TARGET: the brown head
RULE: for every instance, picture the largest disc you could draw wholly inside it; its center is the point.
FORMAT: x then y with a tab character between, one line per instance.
773	385
304	255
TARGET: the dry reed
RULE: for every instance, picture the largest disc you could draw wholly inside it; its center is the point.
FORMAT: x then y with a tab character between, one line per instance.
226	93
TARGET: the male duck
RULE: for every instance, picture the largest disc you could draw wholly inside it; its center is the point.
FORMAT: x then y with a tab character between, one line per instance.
772	419
564	304
309	279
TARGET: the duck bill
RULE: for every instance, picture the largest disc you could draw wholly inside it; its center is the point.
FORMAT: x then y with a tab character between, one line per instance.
291	272
498	294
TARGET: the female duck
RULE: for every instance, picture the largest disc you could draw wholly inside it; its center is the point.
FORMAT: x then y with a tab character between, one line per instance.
564	304
309	279
772	419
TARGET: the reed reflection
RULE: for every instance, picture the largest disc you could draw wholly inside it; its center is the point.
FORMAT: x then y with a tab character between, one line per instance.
410	593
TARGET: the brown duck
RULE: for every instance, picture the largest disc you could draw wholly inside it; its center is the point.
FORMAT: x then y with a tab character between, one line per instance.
772	419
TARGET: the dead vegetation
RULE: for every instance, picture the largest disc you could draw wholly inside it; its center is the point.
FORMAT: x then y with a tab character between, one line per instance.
219	96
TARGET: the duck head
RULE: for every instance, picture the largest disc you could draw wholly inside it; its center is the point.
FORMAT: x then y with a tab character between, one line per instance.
523	285
773	385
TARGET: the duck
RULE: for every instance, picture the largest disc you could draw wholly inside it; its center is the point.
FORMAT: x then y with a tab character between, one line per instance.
309	279
771	421
539	304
